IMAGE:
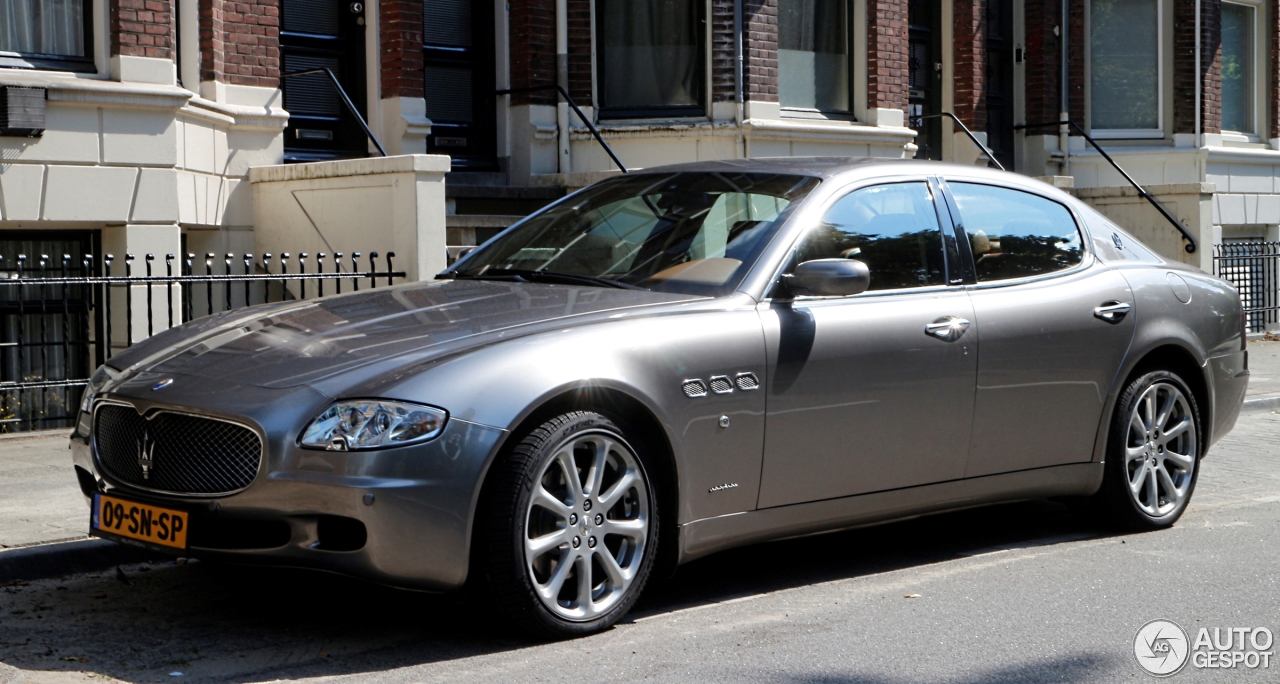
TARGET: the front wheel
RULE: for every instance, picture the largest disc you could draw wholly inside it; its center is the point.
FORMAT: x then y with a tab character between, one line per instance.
1153	452
568	527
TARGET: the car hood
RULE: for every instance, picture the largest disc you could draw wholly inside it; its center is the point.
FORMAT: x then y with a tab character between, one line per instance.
296	343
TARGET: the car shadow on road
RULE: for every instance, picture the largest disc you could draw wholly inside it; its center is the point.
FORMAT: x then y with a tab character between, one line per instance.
231	623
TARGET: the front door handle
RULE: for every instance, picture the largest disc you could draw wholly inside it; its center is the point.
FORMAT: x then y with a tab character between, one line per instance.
1112	312
947	328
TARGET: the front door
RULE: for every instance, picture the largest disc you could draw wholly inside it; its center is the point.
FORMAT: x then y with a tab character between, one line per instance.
1050	352
924	71
863	394
1000	59
318	34
458	68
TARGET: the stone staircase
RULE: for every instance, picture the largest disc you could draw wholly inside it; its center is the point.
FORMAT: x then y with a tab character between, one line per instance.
480	205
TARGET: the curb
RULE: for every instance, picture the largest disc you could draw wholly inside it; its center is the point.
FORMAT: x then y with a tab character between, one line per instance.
1263	404
65	558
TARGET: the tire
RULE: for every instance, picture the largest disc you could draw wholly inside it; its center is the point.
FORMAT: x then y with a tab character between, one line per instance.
547	523
1151	474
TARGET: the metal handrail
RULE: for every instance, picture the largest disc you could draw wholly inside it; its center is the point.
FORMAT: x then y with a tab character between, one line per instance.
573	105
345	100
1190	247
991	157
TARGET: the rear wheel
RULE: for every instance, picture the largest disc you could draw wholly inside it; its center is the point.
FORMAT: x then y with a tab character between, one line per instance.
568	527
1153	453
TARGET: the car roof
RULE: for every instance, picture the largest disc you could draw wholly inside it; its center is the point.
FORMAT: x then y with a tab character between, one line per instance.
851	168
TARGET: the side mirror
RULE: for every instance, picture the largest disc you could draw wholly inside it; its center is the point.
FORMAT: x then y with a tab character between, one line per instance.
829	278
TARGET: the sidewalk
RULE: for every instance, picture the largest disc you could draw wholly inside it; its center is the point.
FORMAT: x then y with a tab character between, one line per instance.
40	502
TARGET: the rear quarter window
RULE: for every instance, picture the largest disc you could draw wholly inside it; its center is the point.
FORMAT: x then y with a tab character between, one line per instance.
1015	234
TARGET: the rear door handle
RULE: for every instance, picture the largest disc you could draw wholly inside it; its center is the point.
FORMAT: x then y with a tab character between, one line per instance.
947	328
1112	312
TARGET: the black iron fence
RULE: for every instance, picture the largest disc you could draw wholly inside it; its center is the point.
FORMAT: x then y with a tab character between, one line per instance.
1254	268
62	317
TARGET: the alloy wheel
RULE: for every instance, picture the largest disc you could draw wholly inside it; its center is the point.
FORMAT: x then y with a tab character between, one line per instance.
587	526
1160	450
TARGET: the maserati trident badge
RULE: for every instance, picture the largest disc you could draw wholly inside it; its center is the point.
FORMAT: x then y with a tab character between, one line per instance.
146	454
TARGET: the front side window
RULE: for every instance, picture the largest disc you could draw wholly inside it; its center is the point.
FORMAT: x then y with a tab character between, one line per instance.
1015	234
650	57
893	229
693	233
813	55
45	33
1124	64
1237	68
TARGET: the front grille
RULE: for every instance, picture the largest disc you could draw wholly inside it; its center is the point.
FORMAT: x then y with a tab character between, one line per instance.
187	454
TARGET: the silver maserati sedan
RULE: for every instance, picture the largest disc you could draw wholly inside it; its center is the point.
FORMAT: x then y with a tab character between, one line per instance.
670	363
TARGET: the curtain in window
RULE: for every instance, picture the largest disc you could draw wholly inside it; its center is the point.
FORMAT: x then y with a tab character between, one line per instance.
1237	68
46	27
1124	64
651	54
813	54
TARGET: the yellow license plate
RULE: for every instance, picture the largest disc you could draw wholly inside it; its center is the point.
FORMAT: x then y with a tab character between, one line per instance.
112	516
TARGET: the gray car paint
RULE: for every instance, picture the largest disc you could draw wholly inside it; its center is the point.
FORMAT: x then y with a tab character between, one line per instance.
492	353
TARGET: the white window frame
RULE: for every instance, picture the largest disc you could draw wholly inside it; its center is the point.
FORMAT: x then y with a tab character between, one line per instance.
1259	74
1161	78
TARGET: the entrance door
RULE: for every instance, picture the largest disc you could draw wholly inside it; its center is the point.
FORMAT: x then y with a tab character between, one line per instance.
924	66
458	72
1000	80
317	34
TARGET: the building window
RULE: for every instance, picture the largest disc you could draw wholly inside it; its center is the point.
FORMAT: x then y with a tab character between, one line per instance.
1237	68
1124	66
46	34
650	58
813	55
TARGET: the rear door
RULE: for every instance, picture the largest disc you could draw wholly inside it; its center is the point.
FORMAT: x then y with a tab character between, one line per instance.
1056	325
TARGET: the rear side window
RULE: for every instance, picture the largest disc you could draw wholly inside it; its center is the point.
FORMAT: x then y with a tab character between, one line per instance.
1015	234
893	229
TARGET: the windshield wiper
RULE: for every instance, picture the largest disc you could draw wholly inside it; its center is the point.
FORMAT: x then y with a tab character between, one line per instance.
533	276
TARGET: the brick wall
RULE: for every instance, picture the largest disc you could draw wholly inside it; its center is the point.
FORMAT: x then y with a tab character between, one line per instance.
1184	73
888	82
240	42
722	62
142	28
1076	74
400	29
1273	69
969	29
760	63
533	48
1042	61
579	51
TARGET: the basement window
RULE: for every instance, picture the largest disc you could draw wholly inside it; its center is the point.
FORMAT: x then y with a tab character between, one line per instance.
46	34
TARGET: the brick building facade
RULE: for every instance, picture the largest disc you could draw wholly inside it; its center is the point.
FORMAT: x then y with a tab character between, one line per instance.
169	102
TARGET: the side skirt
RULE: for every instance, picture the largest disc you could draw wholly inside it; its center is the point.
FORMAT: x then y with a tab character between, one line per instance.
702	537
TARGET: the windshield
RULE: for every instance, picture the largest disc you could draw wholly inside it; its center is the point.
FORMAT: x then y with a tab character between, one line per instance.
693	233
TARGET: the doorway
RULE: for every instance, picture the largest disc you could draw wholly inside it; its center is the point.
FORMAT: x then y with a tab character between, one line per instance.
1000	60
459	82
924	66
317	34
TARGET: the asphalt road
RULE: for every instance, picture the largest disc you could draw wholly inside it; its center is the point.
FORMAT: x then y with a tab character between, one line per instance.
1025	592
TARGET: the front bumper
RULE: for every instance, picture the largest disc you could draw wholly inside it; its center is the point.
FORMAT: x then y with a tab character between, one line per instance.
397	516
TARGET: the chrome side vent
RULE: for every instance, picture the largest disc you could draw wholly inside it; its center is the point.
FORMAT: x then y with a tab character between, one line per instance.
720	384
694	388
747	382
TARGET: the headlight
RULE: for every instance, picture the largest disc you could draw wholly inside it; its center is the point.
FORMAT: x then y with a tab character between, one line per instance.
97	382
372	424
